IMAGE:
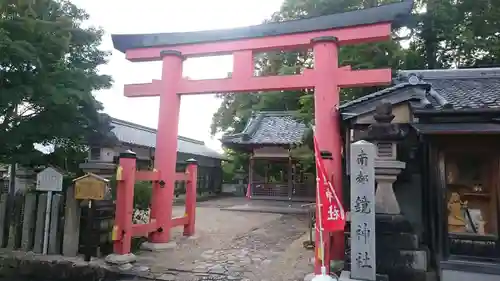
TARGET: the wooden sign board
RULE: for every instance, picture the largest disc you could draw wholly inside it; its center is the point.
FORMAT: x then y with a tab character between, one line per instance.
90	187
50	179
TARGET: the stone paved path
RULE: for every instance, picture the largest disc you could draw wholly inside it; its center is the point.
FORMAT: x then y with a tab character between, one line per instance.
234	246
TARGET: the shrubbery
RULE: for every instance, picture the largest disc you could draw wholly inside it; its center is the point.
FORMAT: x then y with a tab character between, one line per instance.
143	192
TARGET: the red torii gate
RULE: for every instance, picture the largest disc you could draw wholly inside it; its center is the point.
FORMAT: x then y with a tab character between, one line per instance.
323	34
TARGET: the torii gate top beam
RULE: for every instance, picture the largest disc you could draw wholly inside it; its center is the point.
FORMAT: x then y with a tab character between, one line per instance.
373	23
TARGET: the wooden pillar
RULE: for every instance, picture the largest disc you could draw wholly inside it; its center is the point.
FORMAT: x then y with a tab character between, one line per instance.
250	178
125	203
192	171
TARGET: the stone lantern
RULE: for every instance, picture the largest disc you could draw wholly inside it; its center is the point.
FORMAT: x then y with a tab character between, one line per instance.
385	136
240	176
100	162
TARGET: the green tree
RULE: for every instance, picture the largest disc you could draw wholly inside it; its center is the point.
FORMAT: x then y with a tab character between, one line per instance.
439	34
456	34
236	109
48	69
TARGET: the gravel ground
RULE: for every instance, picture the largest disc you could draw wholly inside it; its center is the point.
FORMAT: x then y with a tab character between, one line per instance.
234	246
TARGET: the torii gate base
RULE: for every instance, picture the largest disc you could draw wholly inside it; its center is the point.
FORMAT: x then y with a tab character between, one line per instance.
124	229
323	36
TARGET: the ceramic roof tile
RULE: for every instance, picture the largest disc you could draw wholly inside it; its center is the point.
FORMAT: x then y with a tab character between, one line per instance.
456	89
131	133
469	93
278	128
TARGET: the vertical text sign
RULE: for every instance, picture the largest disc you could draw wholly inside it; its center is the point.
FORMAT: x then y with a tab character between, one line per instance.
363	210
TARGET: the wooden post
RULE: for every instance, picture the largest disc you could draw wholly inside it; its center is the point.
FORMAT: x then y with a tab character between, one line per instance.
125	202
89	243
250	178
54	236
40	223
192	171
71	224
28	222
3	218
46	228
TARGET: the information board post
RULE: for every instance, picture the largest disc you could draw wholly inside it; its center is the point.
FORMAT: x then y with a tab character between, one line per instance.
90	219
48	180
47	223
90	187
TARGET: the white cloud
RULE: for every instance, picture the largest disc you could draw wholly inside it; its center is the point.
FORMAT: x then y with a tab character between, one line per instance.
151	16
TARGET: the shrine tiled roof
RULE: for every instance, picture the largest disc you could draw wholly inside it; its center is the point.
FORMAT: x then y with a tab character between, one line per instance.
139	135
436	90
269	128
381	14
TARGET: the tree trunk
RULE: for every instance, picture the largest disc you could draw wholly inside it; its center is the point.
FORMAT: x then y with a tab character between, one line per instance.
429	35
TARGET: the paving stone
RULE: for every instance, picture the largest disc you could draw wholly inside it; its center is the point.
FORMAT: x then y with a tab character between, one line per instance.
266	262
125	267
141	268
217	269
228	250
167	277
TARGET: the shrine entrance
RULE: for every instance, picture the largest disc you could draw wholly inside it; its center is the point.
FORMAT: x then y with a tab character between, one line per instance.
324	35
467	180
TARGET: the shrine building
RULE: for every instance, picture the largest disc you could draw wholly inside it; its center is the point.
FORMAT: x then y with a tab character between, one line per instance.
437	134
269	137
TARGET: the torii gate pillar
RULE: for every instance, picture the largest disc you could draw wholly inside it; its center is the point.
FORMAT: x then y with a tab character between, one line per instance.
166	143
326	102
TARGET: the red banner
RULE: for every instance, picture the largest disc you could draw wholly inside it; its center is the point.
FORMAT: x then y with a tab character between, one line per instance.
331	210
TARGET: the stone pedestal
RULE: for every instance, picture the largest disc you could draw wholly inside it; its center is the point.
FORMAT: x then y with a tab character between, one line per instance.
386	172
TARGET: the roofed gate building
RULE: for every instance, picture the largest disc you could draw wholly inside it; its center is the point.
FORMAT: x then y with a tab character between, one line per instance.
443	217
273	173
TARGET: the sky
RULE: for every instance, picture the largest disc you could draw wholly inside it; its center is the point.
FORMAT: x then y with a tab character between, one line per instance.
154	16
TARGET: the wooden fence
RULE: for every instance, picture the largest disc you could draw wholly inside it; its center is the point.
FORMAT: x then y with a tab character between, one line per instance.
22	223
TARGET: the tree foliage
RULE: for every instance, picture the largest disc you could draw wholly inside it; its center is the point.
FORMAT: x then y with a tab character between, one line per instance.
439	34
48	69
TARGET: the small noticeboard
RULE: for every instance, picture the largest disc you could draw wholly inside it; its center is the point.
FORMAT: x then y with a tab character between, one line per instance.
50	179
90	187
